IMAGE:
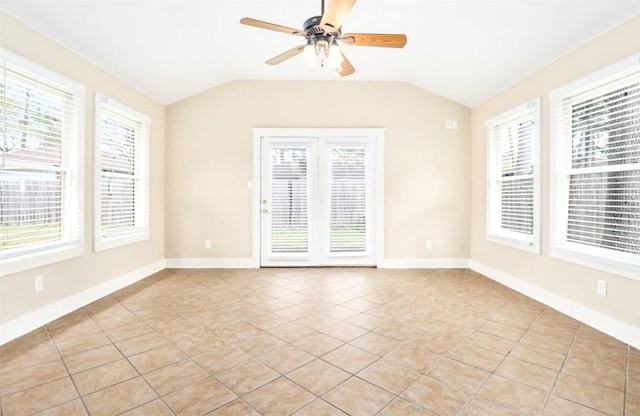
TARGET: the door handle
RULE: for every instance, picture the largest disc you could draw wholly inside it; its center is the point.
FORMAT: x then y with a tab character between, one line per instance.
264	201
264	211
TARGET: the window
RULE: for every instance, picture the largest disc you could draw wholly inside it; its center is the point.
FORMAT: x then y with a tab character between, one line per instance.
347	199
40	165
513	189
596	170
121	187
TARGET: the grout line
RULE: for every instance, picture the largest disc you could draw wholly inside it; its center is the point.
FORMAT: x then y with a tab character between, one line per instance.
626	381
125	357
555	382
475	395
55	345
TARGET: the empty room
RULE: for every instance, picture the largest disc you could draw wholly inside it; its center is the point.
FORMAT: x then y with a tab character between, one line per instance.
308	207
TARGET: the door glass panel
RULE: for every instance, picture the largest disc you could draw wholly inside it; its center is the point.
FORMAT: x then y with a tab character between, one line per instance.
289	200
348	200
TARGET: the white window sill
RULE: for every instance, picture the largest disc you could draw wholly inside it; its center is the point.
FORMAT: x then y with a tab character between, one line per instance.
515	241
598	262
45	257
105	243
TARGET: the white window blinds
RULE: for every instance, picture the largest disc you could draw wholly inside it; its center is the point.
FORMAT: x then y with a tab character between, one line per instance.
598	168
348	200
512	176
121	160
40	199
289	200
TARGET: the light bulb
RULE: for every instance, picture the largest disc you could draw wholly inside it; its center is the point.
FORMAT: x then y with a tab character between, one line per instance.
309	54
335	56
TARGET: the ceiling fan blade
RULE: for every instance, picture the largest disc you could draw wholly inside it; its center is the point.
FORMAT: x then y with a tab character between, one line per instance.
335	13
286	55
271	26
386	40
347	68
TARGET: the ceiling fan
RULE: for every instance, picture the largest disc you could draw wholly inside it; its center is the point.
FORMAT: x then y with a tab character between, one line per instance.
323	33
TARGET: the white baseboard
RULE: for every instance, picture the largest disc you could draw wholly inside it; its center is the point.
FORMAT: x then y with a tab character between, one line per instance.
620	330
212	263
42	316
250	263
425	263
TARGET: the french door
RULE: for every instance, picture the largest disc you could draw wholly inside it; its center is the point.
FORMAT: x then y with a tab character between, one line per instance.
317	201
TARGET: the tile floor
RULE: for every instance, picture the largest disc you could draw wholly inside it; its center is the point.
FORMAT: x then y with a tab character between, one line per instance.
318	342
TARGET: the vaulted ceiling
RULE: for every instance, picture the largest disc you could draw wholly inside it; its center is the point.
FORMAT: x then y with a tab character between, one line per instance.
464	50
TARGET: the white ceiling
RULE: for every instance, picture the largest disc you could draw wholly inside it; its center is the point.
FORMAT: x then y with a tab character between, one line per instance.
464	50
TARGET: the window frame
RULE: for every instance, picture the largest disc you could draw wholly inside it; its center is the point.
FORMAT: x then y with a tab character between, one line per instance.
510	238
607	260
140	232
71	244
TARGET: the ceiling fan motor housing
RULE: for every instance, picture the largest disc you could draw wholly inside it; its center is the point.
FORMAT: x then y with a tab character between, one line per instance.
312	27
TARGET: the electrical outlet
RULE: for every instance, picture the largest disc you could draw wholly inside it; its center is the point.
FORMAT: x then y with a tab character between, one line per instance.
602	287
207	243
38	283
428	245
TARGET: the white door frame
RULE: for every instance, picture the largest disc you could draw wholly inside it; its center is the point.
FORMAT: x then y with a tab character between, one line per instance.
377	134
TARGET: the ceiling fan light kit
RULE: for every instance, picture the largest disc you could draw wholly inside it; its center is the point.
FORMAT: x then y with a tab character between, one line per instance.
322	53
322	50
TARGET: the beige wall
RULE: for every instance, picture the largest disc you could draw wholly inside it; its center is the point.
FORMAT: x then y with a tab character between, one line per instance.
566	279
210	159
68	278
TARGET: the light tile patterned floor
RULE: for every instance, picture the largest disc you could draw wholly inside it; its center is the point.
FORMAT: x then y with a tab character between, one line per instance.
318	342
